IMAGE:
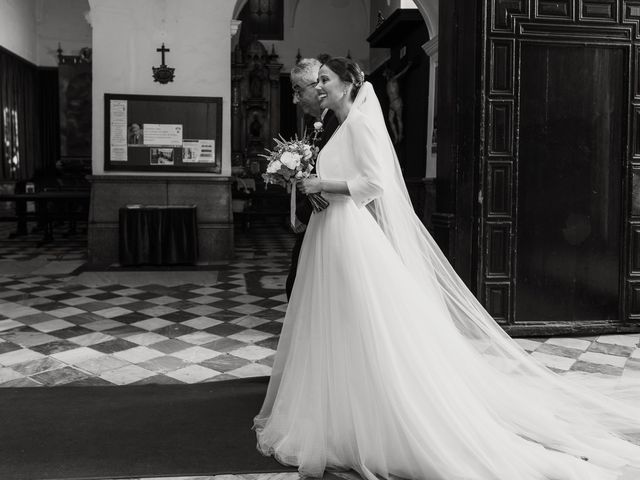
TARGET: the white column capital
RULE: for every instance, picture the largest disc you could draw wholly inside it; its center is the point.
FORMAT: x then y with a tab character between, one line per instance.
235	27
431	47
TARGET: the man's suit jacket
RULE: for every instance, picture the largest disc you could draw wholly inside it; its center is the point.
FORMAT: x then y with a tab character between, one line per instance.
303	205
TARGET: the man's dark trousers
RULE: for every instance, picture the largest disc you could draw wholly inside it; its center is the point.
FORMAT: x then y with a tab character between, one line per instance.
303	205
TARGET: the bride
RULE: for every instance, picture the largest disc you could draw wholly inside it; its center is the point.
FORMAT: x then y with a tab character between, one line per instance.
389	366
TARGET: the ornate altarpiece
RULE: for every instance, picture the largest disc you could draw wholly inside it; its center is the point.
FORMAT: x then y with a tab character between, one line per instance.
255	106
74	80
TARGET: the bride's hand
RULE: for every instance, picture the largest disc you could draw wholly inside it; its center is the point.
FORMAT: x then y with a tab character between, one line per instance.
310	185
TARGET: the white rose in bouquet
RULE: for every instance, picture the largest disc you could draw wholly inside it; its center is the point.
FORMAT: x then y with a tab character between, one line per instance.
307	152
290	160
274	166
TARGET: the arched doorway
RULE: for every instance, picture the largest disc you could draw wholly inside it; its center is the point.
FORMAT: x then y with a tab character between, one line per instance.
292	30
312	41
401	74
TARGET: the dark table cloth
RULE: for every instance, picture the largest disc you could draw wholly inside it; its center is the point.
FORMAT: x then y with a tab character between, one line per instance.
158	235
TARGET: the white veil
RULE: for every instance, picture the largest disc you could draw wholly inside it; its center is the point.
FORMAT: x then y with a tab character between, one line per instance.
503	365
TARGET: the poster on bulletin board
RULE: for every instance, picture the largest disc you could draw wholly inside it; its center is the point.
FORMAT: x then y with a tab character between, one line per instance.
163	133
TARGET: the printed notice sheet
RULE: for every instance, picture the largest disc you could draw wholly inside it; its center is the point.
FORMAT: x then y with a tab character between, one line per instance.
163	134
118	130
118	153
199	151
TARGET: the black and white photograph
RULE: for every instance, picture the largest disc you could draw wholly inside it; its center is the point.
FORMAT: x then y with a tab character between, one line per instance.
135	134
161	156
320	239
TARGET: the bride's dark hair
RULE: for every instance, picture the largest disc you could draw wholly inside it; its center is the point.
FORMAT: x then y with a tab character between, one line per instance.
348	71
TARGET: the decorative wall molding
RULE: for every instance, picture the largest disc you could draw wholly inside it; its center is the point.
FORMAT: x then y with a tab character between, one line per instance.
235	27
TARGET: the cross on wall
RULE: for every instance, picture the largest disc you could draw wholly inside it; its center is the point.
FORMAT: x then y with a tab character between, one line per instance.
162	51
163	74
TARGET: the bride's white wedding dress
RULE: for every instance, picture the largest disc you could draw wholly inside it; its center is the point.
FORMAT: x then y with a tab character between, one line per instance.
387	364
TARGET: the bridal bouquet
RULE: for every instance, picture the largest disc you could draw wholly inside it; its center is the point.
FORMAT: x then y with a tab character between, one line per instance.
290	161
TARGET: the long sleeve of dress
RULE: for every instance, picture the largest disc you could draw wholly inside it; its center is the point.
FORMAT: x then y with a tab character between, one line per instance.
367	185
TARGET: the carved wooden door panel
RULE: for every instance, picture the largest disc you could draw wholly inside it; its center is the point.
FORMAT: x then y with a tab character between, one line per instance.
559	229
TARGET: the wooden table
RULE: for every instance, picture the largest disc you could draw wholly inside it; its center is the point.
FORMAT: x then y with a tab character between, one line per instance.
69	200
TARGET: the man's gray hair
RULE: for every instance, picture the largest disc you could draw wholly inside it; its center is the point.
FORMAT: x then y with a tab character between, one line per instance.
306	70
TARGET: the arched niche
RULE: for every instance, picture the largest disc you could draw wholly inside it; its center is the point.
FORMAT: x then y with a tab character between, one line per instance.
291	11
429	11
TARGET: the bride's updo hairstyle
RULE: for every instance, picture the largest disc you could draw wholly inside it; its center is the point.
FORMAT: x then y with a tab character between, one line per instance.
348	71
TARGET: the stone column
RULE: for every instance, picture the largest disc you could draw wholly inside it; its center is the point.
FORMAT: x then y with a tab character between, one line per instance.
125	38
431	49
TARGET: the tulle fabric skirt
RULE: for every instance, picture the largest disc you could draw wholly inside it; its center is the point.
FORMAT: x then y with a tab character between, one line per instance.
371	375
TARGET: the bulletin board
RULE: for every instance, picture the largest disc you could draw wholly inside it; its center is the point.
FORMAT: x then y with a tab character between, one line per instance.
163	133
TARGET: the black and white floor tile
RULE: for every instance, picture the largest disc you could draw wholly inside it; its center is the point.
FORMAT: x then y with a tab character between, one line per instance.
61	324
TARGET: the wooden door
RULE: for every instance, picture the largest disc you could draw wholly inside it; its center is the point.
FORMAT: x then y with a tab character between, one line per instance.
559	165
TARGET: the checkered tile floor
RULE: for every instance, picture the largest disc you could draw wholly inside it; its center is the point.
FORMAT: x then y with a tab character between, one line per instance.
63	326
58	329
25	248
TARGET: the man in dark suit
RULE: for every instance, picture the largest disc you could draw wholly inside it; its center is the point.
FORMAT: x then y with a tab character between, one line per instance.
135	135
304	78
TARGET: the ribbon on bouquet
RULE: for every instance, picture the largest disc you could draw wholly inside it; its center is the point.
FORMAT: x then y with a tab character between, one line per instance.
318	203
295	223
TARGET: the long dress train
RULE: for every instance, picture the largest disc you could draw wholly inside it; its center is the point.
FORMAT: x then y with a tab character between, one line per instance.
386	366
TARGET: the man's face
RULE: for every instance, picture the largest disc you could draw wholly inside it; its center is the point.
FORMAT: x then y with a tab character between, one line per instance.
306	95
